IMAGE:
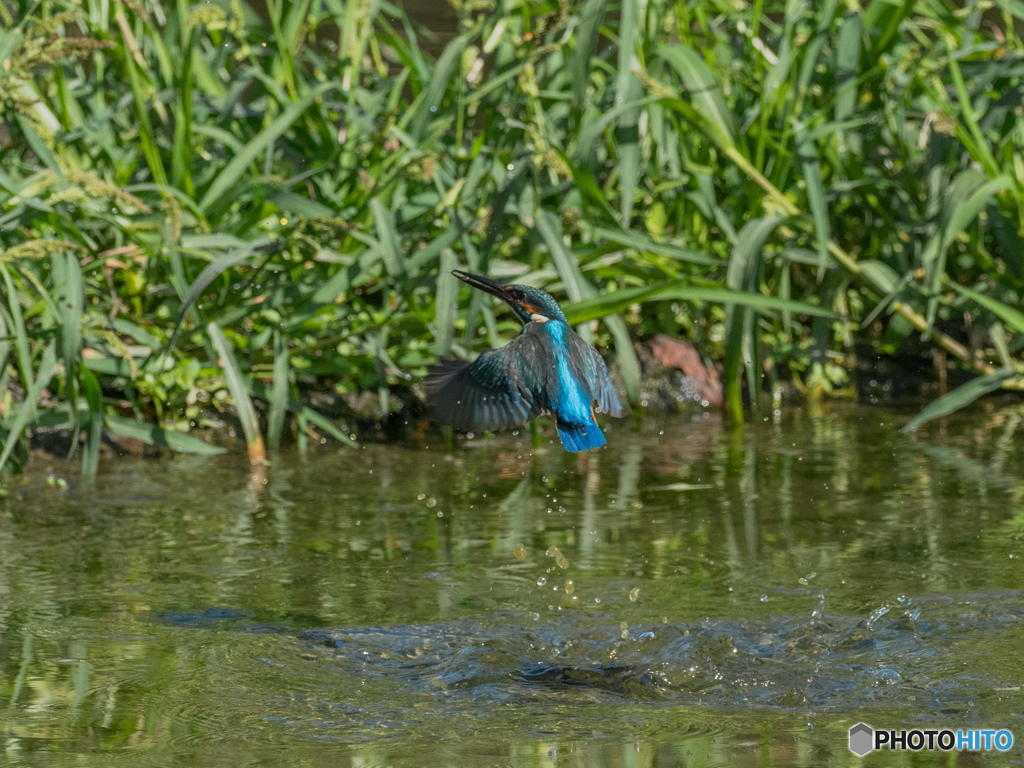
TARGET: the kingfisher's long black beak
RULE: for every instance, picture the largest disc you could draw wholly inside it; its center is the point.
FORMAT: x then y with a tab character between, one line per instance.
484	284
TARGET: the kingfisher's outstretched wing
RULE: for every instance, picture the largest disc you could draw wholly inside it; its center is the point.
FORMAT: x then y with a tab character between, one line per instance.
496	391
590	367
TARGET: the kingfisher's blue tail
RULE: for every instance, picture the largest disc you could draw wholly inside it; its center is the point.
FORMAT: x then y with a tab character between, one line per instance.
580	437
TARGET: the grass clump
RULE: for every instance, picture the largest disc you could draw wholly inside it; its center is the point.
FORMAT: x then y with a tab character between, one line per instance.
219	209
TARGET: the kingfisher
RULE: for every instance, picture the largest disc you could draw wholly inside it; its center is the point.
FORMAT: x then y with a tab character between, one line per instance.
547	368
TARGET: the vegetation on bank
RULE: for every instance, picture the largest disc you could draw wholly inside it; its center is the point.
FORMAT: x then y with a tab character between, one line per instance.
218	209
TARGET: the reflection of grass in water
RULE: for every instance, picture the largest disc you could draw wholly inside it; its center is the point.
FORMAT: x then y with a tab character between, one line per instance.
970	469
343	541
303	180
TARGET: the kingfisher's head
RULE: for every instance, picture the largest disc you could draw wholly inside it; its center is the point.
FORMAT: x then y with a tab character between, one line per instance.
531	305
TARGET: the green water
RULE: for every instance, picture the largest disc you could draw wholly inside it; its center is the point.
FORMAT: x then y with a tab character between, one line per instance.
738	598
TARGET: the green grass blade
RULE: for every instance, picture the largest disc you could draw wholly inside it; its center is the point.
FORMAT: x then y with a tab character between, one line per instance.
812	48
211	272
387	236
585	181
969	193
25	411
446	304
40	147
591	16
94	423
979	145
304	416
279	391
21	349
319	420
550	230
627	89
704	90
625	356
847	61
70	300
433	94
1009	315
239	389
181	151
233	171
811	165
592	128
743	275
5	339
142	96
881	20
962	396
154	434
621	300
644	245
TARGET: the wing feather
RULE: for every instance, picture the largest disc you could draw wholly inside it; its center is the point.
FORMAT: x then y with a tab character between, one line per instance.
496	391
590	367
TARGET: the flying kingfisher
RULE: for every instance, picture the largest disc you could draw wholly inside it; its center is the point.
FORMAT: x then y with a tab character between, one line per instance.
547	368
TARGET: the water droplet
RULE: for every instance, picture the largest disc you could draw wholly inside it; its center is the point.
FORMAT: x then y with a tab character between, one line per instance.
560	560
420	496
519	553
634	594
624	631
569	586
431	502
541	581
764	598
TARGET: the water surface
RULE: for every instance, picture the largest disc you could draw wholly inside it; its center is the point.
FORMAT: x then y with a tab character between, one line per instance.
689	595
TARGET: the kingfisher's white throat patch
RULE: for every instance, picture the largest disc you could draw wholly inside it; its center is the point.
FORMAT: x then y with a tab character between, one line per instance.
539	318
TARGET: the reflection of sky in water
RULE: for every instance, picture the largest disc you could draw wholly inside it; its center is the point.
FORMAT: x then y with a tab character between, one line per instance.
692	590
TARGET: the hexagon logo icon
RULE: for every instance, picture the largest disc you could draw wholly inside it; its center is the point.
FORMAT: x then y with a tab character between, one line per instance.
862	739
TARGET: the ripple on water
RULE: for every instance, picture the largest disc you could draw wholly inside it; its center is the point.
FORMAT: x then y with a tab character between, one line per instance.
821	664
